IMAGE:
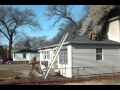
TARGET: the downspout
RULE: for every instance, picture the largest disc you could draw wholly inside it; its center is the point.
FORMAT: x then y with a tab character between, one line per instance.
119	29
119	36
71	61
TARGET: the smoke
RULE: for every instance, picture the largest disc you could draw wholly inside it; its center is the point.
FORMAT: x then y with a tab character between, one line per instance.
86	24
96	18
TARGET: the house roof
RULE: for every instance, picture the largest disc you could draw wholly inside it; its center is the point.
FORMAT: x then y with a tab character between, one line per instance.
114	18
26	50
12	51
83	39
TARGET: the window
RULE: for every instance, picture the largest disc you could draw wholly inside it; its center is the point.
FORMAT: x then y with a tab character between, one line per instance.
47	54
63	56
99	54
24	55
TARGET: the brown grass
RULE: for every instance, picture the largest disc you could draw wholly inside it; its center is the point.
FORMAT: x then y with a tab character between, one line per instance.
9	73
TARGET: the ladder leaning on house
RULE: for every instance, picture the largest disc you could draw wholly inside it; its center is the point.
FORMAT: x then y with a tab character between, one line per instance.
56	54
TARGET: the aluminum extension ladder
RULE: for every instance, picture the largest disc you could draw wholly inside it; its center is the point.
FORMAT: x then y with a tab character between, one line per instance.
56	54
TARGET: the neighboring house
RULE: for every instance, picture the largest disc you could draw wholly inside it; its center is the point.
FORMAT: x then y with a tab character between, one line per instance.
24	55
82	52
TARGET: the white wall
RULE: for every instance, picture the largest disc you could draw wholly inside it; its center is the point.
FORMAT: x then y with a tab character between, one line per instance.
34	54
19	57
29	56
114	31
66	69
42	56
85	56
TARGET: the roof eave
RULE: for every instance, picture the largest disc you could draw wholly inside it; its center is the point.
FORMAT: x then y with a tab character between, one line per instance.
93	43
113	19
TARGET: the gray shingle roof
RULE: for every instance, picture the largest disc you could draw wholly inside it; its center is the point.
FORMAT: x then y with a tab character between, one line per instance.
83	39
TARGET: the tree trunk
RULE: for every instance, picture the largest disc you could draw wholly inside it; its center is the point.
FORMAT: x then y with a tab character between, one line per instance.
10	47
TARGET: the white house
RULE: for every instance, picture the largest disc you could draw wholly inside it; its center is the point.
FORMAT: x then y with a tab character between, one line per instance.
24	55
81	56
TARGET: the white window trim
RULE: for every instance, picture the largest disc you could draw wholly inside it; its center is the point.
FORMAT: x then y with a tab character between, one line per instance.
47	54
66	57
100	53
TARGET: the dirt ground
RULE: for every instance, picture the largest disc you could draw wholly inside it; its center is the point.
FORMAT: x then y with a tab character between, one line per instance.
22	70
96	82
13	70
15	66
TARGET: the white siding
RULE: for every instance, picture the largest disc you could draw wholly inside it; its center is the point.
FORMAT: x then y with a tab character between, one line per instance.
19	57
112	57
37	55
114	31
85	56
42	56
29	56
66	69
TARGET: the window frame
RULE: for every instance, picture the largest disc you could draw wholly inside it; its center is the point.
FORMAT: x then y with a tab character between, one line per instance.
24	55
63	59
99	54
47	55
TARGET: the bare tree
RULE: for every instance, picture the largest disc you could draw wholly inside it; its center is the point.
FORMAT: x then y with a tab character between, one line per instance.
60	12
19	44
27	43
11	19
31	42
67	28
37	42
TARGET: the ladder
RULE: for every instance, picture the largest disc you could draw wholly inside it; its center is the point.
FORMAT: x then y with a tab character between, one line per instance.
56	54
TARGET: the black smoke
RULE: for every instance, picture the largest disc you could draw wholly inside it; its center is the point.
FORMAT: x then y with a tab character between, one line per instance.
98	16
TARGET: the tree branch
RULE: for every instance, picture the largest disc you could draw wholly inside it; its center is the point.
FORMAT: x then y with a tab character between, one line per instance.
57	21
61	12
5	25
4	34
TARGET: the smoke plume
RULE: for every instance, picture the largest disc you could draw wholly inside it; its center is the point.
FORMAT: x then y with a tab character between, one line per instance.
97	16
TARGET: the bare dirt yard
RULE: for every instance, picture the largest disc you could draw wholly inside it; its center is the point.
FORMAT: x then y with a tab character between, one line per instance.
11	70
17	74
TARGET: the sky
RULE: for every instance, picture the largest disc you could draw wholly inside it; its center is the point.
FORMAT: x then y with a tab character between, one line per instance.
39	10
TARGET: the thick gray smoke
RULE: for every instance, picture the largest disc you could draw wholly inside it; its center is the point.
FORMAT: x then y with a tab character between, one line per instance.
96	18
